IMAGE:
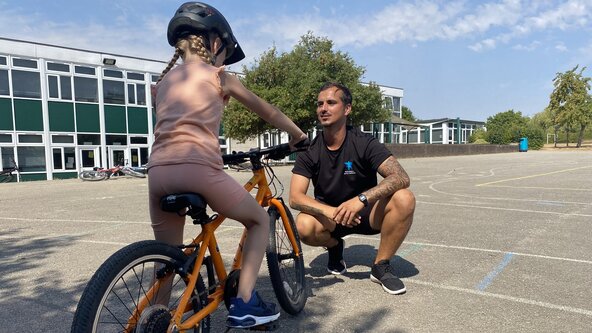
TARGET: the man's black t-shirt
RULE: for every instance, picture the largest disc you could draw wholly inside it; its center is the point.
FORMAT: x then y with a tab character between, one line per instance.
340	175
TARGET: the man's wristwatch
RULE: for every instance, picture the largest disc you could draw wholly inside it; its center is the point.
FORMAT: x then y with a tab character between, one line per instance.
363	199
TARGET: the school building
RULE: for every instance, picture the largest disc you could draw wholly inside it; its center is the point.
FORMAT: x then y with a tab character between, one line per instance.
63	110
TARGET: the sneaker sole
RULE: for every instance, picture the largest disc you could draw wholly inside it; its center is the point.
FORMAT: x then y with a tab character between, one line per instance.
392	292
337	272
249	321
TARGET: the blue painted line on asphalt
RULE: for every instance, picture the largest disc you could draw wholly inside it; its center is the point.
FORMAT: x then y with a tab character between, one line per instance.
410	249
493	274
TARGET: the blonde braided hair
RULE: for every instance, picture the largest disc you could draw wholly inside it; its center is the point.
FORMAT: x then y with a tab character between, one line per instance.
192	44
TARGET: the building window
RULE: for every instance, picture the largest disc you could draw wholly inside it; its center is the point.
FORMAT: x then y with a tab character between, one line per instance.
113	92
85	89
397	104
154	78
62	139
4	87
53	66
30	138
5	138
59	87
388	103
89	139
26	63
113	73
138	140
26	84
3	61
135	76
84	70
31	158
64	158
116	140
136	93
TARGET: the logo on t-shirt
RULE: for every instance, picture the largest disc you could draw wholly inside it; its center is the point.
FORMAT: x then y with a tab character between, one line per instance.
349	170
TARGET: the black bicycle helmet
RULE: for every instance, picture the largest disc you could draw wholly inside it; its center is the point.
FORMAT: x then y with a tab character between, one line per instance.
198	17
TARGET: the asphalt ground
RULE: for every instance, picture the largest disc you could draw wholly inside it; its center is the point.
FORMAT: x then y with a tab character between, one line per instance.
500	243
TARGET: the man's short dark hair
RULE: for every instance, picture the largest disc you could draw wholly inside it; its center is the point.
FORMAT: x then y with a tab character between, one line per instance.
346	96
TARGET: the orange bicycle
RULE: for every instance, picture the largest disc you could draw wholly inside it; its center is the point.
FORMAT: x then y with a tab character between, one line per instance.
152	287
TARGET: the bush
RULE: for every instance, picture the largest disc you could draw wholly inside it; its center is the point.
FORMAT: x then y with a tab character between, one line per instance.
479	134
535	135
480	142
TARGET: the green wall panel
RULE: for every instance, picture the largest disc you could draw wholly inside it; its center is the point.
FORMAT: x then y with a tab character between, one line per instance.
137	120
33	176
87	118
28	115
61	116
6	114
65	175
115	119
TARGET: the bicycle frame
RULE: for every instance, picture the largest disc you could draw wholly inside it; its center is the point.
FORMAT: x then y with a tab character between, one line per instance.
206	240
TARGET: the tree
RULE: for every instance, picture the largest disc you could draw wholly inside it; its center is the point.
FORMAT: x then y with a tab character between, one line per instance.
291	82
407	114
505	127
570	104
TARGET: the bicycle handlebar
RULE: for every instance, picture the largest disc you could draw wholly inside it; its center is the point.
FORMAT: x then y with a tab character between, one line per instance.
275	152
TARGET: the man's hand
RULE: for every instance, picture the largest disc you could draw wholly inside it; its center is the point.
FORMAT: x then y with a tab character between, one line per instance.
347	213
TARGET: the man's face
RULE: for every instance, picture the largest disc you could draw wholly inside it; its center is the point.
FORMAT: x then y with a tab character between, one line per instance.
330	108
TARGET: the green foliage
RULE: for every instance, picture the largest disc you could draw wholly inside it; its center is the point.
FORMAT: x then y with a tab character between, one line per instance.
535	134
505	127
407	114
478	135
291	82
570	105
480	142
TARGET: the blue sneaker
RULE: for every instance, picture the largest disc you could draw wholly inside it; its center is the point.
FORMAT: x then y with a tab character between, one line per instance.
253	313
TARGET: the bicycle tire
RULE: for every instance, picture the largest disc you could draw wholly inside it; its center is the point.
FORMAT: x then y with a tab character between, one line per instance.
92	175
116	288
133	173
286	270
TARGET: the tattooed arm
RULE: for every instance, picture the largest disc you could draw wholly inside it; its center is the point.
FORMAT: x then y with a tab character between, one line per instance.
299	200
395	178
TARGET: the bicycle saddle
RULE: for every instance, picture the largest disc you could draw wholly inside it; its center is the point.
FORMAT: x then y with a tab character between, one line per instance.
191	204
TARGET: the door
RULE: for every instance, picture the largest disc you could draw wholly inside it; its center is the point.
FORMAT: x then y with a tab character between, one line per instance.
117	156
89	158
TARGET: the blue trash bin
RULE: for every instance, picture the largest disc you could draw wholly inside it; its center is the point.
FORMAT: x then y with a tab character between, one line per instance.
523	145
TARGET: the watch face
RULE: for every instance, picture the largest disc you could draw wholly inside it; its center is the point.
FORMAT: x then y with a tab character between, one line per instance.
363	199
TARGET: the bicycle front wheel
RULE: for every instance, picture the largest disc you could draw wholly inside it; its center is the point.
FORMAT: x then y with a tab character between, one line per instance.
286	270
92	175
119	298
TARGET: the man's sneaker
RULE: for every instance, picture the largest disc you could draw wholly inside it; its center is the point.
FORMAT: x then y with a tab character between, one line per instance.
254	312
381	274
336	264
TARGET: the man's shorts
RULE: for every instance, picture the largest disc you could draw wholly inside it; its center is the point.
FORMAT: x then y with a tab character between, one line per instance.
363	228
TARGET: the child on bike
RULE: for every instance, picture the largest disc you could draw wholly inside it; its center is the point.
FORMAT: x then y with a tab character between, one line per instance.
185	157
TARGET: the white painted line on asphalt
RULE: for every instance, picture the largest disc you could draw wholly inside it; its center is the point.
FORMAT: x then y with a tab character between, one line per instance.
504	209
473	196
581	261
547	305
69	220
534	176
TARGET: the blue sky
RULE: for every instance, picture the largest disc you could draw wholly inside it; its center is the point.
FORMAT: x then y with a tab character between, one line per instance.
468	59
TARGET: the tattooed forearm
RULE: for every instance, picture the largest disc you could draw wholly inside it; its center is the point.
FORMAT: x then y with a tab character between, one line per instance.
395	178
307	209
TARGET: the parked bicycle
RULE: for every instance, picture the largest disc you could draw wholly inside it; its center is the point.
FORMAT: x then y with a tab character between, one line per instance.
116	171
8	174
124	295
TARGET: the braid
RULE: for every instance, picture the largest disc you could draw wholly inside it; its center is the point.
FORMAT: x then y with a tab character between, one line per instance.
171	63
197	44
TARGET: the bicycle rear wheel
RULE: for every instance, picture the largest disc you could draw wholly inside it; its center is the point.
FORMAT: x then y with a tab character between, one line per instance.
286	270
122	283
92	175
